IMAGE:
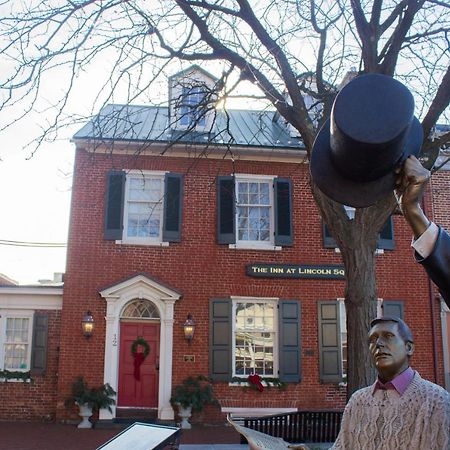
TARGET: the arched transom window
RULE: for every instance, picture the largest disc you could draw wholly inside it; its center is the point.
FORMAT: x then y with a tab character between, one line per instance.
140	309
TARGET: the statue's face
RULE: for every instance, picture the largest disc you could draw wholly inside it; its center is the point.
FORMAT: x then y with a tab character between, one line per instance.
390	353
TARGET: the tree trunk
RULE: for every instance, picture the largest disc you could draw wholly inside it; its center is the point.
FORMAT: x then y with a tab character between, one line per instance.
357	240
361	308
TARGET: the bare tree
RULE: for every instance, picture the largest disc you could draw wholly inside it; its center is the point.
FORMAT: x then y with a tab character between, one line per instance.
274	45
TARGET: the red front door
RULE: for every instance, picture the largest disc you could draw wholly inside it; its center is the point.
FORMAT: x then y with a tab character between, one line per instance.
142	392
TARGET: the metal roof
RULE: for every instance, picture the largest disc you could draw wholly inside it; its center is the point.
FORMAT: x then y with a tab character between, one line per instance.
152	124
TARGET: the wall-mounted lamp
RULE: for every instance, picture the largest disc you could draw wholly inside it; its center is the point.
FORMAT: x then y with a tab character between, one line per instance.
189	328
87	324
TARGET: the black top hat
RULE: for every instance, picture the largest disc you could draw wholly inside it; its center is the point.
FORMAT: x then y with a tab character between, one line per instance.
372	128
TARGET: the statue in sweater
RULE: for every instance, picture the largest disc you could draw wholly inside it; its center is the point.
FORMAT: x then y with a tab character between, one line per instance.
431	242
401	410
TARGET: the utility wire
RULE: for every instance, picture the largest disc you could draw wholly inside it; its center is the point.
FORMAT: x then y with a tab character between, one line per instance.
33	244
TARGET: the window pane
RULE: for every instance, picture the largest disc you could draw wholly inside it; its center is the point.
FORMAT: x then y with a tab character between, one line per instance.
264	194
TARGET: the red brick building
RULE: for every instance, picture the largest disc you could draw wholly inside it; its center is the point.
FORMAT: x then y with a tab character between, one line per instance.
178	214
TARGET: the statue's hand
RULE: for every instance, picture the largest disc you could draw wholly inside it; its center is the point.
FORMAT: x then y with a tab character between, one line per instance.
411	181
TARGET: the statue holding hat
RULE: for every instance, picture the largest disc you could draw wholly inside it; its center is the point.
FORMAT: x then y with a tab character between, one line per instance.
368	148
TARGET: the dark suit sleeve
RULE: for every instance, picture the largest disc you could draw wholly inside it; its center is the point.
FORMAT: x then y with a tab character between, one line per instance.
437	264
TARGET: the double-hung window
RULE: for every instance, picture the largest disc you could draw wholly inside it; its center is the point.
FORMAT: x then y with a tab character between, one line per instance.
254	211
144	195
254	337
143	207
193	108
15	341
254	214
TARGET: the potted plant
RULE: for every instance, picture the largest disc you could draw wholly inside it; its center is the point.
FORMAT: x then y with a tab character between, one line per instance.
191	396
90	400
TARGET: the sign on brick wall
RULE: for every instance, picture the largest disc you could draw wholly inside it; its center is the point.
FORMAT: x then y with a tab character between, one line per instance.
334	272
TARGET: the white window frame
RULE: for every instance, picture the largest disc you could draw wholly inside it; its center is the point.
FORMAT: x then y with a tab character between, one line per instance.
256	245
147	240
15	314
275	331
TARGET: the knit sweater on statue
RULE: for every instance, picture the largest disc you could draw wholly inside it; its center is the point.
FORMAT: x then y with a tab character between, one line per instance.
417	420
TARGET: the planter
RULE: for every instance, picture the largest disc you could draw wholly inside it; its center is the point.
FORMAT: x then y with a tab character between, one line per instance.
185	414
85	411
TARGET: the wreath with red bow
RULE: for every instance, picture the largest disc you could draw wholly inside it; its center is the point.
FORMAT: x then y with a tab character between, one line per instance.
139	357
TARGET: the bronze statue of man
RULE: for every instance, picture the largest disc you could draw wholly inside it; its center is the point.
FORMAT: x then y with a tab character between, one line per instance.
401	410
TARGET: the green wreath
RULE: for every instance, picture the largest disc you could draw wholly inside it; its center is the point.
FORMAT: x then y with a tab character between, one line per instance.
143	343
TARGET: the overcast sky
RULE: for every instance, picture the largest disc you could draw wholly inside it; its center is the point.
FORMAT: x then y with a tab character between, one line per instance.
35	200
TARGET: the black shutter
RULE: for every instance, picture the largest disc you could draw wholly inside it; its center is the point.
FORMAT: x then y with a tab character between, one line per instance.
386	236
330	358
39	345
393	308
328	240
173	200
225	210
220	339
283	212
114	205
289	344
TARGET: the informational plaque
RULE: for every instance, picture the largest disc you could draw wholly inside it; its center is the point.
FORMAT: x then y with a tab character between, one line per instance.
142	436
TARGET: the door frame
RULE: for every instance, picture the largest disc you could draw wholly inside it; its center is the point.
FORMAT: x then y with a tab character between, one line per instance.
117	296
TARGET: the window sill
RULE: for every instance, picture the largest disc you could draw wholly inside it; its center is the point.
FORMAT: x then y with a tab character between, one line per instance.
143	243
15	380
378	251
273	248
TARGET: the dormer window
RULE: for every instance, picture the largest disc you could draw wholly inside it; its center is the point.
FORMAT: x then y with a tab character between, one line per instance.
192	94
193	106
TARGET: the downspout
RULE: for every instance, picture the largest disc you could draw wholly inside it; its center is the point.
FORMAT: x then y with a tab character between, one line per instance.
430	293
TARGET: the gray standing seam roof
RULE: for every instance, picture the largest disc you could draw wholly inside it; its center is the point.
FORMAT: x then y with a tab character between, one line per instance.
151	124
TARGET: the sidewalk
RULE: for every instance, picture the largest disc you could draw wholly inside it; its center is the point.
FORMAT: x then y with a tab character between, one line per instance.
52	436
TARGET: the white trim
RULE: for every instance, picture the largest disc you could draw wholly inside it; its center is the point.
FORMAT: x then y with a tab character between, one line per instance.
163	298
378	251
253	245
134	241
146	173
256	412
253	177
31	298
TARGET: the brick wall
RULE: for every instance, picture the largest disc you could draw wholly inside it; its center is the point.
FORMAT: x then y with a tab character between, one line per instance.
35	400
213	271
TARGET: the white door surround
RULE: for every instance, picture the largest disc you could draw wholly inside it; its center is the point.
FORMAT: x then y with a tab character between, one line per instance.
117	296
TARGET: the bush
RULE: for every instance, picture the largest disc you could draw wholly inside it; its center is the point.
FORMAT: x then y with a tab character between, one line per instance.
194	391
96	397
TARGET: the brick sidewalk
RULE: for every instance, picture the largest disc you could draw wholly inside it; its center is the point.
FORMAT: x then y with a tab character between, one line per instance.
50	436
